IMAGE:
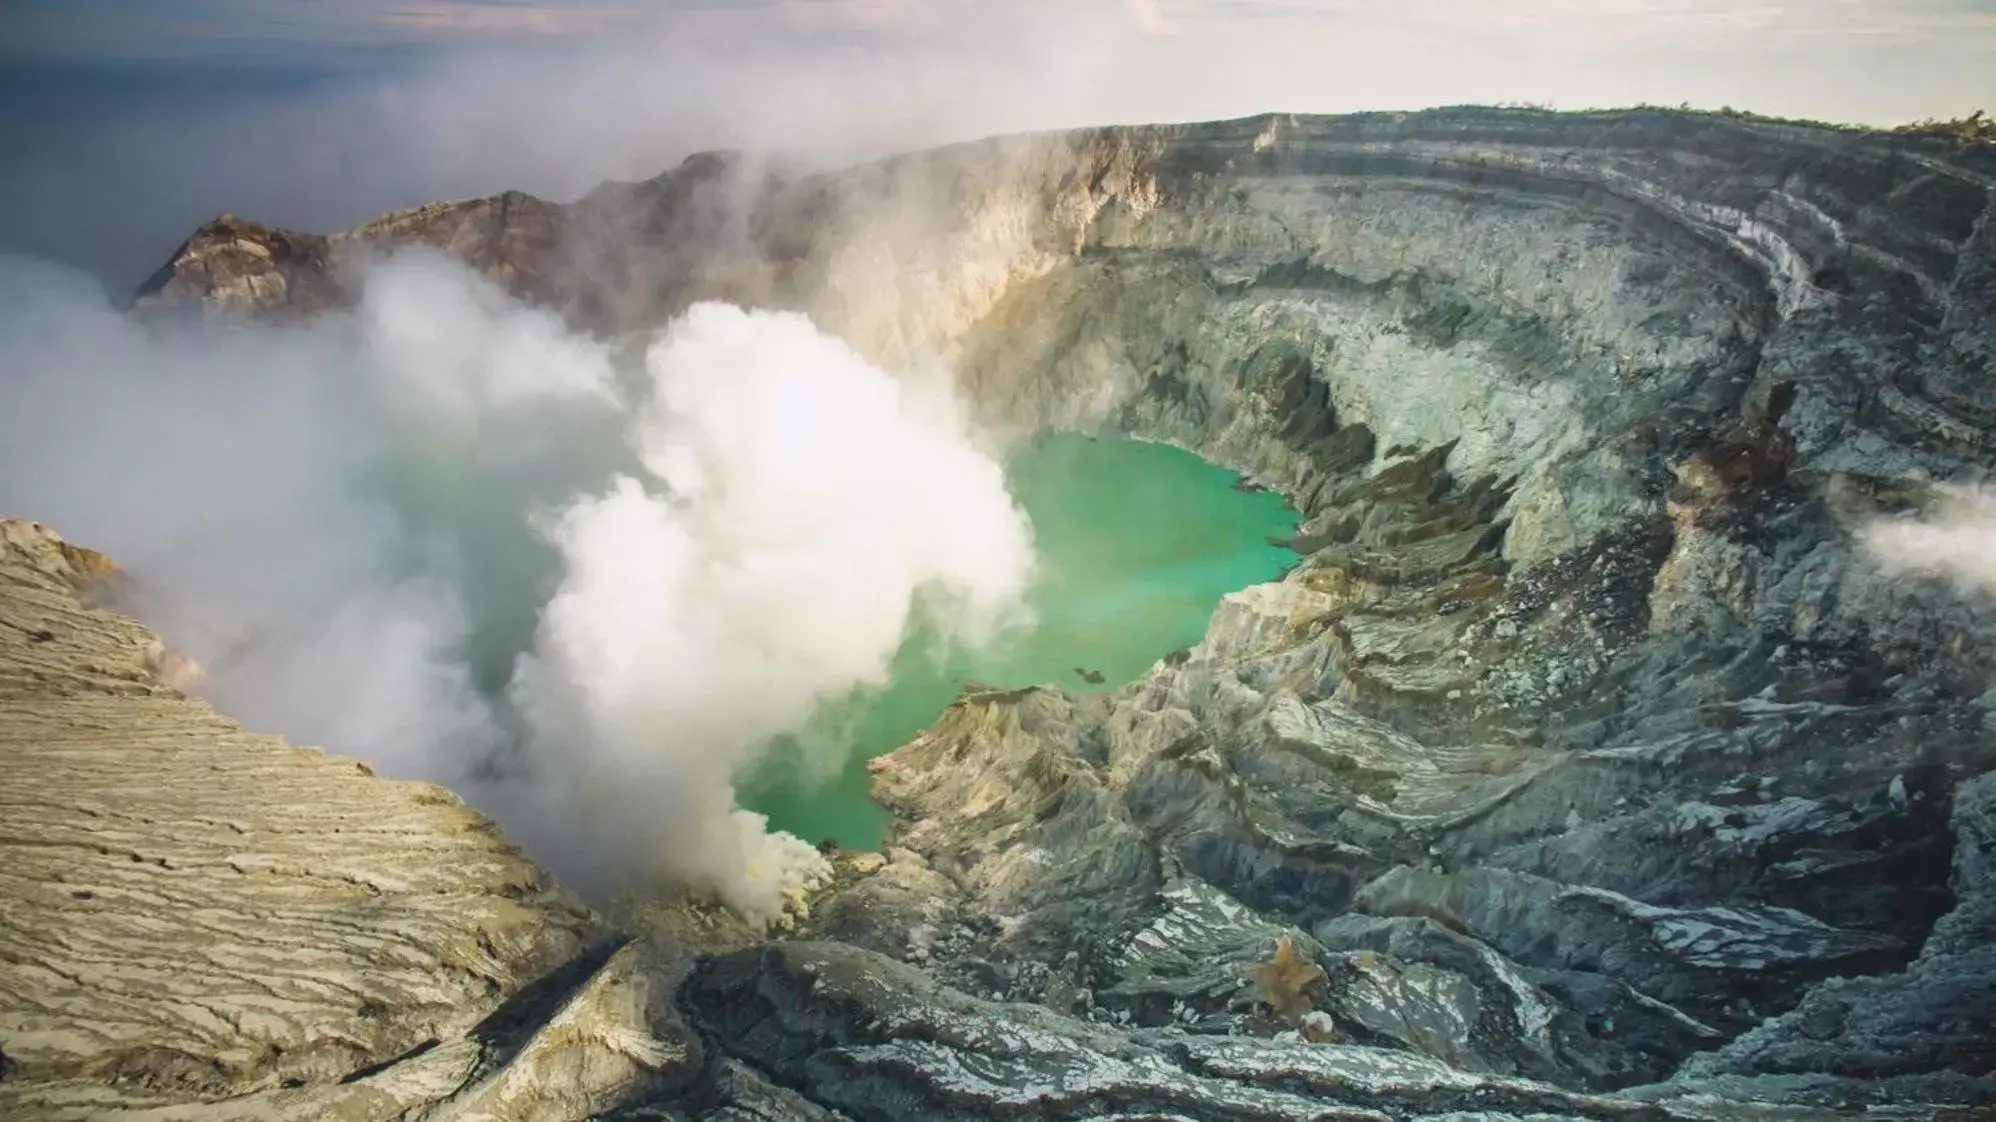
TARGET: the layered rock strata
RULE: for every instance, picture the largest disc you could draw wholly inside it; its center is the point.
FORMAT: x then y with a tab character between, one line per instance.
205	923
1585	752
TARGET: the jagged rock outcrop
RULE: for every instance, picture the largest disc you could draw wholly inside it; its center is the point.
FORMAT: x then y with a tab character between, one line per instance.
1584	751
876	1038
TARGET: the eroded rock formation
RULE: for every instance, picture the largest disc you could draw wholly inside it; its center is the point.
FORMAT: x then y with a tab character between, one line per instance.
1584	752
198	915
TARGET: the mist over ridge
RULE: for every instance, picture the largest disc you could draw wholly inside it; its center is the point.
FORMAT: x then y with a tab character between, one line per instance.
126	133
352	524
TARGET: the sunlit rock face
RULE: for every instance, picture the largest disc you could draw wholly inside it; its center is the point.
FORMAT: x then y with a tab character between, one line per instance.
196	914
1587	750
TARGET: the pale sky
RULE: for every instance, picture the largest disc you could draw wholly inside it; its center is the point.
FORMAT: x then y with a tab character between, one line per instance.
128	121
1874	61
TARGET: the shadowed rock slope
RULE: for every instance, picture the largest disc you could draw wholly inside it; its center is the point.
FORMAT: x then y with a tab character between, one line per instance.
1584	748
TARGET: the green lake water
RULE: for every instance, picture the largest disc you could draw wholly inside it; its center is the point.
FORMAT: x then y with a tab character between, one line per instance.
1137	543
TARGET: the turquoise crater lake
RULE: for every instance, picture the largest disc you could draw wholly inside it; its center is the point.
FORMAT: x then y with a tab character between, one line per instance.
1137	544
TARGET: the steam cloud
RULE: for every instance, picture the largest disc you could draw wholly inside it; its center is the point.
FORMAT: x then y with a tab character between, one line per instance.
446	535
1956	541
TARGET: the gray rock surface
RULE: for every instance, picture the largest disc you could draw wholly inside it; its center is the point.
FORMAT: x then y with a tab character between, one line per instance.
877	1038
1586	755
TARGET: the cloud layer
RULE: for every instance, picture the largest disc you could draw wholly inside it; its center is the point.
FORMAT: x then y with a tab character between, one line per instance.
133	28
342	111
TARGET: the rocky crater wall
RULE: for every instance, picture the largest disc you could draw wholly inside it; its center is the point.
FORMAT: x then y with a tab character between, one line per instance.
1584	766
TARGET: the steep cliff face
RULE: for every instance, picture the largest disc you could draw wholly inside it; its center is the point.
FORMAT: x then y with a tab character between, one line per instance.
1583	747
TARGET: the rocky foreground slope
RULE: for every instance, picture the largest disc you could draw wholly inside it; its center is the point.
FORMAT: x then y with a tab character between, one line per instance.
198	915
1586	766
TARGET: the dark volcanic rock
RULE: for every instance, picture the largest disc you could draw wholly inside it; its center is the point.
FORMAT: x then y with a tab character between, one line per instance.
878	1039
1583	749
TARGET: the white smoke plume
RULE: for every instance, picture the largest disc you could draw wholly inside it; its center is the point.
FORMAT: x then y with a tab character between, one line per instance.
1956	541
445	534
799	500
